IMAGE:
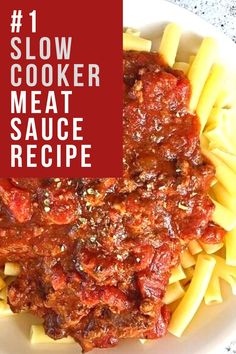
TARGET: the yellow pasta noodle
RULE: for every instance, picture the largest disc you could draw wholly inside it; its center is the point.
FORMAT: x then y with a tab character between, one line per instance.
143	341
133	31
221	271
194	295
181	66
131	42
219	139
2	284
227	158
3	294
213	294
227	96
194	247
230	244
223	173
174	292
191	59
5	309
12	269
189	274
223	217
214	119
170	42
177	274
200	68
209	93
38	336
187	260
224	197
212	248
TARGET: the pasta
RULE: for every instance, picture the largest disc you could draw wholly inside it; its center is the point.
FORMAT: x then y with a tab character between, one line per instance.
230	245
133	31
224	197
5	309
228	159
213	294
191	59
189	274
181	66
3	294
194	295
131	42
170	42
187	260
223	217
223	173
210	92
200	68
221	271
2	284
211	248
174	292
214	118
218	139
12	269
227	96
177	274
194	247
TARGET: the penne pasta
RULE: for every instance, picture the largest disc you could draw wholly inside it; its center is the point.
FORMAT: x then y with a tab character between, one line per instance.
12	269
221	271
230	245
200	69
3	294
187	260
174	292
38	336
181	66
223	217
133	31
5	309
194	295
214	119
213	182
194	247
209	93
177	274
210	248
2	284
189	274
213	294
227	158
132	42
223	173
191	59
143	341
224	197
218	139
227	95
169	43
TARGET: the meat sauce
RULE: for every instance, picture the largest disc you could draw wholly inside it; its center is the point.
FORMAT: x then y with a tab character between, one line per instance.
96	254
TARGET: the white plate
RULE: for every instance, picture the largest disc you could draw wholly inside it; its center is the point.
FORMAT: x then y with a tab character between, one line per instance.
213	326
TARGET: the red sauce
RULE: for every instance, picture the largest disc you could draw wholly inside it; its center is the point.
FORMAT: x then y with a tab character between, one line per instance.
96	254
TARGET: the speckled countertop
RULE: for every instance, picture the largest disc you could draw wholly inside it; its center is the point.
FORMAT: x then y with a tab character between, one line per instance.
222	14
